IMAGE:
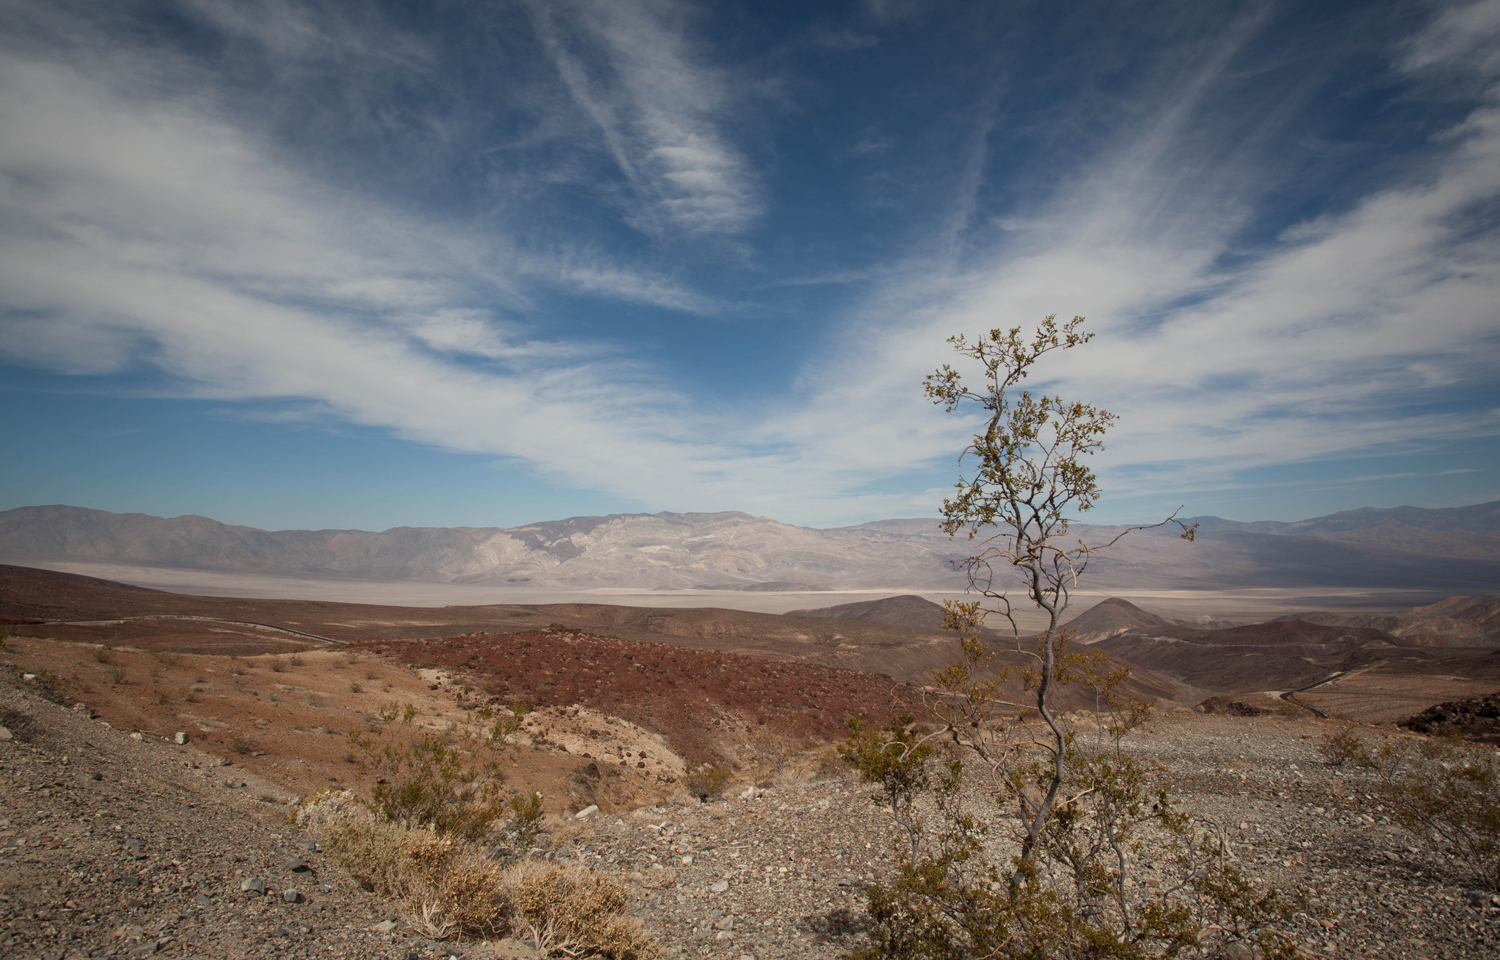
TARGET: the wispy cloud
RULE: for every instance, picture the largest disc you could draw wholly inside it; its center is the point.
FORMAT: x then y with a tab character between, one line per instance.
1328	343
145	228
629	67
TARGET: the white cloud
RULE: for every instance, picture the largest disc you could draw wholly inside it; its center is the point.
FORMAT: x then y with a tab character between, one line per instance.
657	109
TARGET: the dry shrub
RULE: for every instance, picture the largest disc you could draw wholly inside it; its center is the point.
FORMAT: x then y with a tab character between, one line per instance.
1445	793
575	910
705	782
449	888
390	860
328	807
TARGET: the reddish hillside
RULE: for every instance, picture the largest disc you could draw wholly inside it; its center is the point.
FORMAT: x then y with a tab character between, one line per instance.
691	697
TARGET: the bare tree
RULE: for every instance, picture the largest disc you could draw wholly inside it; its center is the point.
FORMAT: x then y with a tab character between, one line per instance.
1089	814
1029	482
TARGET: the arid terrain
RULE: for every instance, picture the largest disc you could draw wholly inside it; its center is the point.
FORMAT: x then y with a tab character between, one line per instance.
148	857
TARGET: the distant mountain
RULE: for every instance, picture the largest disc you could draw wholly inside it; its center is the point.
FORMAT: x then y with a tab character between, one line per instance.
1375	549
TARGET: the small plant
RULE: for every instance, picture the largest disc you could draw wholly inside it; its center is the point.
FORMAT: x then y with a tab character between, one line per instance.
170	657
278	665
1446	793
104	654
161	698
706	781
117	676
296	660
242	746
354	687
448	781
526	816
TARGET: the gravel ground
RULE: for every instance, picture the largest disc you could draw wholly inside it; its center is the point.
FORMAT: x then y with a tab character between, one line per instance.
113	846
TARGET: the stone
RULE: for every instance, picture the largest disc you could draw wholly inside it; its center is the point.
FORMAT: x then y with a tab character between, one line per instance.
310	846
96	776
146	949
384	927
253	885
719	886
281	933
201	899
293	865
179	738
510	949
586	812
130	881
727	923
687	860
291	895
138	736
5	734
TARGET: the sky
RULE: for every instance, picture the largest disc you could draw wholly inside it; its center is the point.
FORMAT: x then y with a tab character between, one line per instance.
315	265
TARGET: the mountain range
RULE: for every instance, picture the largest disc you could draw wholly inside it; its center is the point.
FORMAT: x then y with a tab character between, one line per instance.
1448	551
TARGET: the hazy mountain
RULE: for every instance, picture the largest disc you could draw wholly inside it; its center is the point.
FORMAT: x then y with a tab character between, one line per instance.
1366	549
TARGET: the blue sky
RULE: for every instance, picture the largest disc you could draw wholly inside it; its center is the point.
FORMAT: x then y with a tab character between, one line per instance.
364	265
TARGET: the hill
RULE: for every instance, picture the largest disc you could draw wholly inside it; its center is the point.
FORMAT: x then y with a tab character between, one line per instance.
1454	622
79	609
905	611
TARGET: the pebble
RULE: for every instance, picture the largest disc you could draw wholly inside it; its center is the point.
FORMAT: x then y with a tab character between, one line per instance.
253	885
384	927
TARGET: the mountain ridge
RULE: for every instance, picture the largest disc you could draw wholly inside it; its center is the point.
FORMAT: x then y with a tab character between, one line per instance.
1371	548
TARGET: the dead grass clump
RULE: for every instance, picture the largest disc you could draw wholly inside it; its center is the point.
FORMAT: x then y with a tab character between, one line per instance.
450	889
20	725
576	911
390	860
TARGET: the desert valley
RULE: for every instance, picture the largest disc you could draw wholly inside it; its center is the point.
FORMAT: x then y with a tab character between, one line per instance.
162	747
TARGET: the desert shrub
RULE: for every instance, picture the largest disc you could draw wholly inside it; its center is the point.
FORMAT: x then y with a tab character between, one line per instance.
447	780
278	665
104	654
1069	886
526	816
241	745
328	806
576	911
705	781
1390	761
1452	800
450	889
1445	792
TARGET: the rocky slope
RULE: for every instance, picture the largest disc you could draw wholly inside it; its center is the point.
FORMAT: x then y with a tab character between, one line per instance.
113	846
